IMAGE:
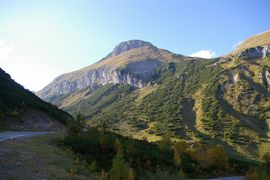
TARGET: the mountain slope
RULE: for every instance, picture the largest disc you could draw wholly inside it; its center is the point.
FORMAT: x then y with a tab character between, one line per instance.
224	100
22	110
131	62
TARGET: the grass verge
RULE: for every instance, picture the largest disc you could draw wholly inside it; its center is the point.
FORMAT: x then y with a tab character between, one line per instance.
40	158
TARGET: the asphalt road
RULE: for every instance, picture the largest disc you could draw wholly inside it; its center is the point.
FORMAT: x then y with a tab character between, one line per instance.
230	178
9	135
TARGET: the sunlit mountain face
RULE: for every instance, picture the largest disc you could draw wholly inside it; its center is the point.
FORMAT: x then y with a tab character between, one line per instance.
130	90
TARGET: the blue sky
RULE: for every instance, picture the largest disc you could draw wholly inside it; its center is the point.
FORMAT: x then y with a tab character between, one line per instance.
42	39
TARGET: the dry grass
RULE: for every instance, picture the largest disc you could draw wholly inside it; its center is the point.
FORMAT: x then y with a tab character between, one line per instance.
198	109
143	92
256	70
39	158
74	98
135	55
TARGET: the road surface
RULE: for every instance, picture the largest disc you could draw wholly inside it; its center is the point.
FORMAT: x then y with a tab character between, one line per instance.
9	135
230	178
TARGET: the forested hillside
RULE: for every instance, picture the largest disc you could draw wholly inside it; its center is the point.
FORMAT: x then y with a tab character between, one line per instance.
15	101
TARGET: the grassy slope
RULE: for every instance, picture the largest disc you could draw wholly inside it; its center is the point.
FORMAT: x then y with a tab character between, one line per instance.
38	157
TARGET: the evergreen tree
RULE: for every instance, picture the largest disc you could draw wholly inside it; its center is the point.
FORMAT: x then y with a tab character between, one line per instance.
118	147
119	169
76	126
176	158
165	143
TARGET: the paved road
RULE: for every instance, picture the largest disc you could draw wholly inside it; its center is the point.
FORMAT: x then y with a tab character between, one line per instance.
9	135
230	178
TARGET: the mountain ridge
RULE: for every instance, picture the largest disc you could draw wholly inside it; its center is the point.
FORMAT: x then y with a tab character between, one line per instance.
261	39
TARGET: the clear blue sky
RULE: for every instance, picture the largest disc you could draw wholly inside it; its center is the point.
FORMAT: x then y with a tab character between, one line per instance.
41	39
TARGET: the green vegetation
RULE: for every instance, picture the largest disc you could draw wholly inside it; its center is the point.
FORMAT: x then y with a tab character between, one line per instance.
117	157
164	106
14	100
261	172
190	100
96	102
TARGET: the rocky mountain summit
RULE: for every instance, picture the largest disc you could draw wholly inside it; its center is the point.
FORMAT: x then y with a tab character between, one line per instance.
128	45
131	62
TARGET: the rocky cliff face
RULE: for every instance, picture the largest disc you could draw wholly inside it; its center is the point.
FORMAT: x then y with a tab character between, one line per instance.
255	52
99	76
131	62
265	76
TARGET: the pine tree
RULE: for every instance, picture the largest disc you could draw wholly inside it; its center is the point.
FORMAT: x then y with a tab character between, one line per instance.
75	126
119	169
118	147
93	166
176	158
165	143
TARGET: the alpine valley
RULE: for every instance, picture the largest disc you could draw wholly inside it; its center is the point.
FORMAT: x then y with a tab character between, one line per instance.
141	91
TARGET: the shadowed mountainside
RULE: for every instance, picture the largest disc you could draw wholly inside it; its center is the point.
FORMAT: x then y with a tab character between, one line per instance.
20	109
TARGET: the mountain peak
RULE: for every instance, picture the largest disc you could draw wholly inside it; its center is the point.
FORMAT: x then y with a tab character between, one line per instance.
128	45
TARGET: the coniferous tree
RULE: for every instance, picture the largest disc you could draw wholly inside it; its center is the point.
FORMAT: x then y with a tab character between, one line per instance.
119	169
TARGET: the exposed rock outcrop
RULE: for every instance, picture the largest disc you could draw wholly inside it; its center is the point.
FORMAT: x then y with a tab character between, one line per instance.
255	52
128	45
236	78
267	77
136	74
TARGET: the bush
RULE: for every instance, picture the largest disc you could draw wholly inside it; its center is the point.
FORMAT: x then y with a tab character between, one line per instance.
256	174
75	127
